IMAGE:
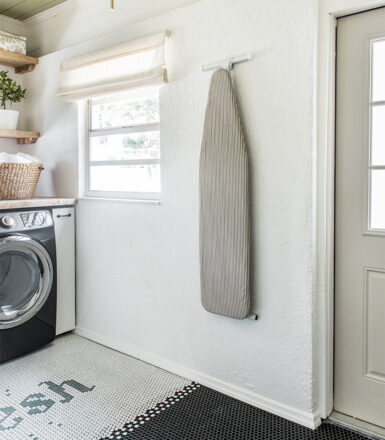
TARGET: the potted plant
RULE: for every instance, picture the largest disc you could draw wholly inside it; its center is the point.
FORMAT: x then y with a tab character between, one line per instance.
10	92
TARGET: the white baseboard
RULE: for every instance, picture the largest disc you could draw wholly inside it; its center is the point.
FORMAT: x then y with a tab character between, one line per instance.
310	420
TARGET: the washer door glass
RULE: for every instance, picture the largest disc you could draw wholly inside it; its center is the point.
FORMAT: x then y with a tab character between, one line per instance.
25	279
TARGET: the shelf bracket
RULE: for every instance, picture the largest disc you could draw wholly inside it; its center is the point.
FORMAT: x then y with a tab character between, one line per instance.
25	69
28	140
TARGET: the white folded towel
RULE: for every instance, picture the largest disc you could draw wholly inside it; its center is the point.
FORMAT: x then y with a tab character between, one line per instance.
17	158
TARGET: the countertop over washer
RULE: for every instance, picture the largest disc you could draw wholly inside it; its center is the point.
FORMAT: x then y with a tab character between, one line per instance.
36	203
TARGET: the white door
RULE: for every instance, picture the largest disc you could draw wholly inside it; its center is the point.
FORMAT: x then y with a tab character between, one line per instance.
360	218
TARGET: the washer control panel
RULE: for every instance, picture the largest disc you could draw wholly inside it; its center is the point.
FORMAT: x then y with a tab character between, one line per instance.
22	221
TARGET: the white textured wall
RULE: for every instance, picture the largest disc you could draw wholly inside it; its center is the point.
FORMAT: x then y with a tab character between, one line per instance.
138	265
57	123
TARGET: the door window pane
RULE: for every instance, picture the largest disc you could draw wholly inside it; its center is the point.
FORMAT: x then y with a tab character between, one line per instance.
132	178
126	146
377	202
378	70
378	135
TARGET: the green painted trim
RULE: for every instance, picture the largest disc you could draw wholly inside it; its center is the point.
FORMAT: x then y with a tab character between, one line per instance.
23	9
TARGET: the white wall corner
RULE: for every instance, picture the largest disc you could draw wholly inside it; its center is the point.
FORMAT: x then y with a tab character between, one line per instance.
307	419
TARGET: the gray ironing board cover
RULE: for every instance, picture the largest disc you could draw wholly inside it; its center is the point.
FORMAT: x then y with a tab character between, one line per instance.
224	205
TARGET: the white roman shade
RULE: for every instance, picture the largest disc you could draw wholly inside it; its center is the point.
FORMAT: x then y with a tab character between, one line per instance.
129	65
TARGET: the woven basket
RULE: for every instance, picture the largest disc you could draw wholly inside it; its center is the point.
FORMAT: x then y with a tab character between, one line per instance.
19	180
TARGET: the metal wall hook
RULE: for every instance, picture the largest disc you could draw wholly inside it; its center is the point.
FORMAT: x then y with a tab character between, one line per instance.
227	64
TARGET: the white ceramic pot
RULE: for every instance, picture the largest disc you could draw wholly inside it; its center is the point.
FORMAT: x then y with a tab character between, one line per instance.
8	119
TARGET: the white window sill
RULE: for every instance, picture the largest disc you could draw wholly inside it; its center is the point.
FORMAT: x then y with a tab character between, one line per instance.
117	200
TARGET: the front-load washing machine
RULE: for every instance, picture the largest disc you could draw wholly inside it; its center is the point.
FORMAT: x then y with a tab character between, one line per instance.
27	282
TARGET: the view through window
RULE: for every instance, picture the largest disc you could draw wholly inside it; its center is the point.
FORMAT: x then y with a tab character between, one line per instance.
124	145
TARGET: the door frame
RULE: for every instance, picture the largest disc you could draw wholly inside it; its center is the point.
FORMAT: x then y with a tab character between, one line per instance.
324	170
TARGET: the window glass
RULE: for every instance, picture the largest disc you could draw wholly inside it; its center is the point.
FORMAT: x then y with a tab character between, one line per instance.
131	178
378	135
124	144
125	110
378	70
377	202
136	146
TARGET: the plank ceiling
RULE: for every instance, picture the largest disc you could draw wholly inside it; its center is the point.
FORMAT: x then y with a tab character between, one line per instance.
23	9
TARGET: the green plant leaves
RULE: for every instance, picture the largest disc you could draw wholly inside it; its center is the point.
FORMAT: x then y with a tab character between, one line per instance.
10	90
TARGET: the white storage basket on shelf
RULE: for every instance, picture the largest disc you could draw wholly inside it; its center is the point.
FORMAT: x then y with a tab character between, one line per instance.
13	43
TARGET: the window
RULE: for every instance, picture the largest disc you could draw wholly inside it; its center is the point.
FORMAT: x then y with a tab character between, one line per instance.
376	169
117	88
123	153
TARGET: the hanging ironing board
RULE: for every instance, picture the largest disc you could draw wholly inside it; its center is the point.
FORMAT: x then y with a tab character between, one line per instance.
224	205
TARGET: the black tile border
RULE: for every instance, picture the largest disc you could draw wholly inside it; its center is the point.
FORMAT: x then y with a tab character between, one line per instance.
199	413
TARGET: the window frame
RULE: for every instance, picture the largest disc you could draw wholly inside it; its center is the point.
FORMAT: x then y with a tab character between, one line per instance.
90	132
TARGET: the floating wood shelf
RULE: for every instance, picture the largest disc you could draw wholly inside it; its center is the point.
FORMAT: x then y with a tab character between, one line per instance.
21	63
22	137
